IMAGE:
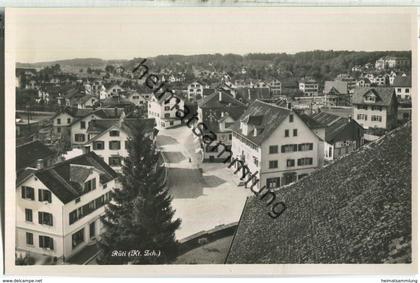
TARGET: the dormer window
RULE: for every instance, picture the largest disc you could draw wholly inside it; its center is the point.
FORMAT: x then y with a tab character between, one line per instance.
89	185
370	98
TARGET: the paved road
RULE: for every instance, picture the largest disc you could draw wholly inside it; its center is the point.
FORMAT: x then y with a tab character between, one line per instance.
201	200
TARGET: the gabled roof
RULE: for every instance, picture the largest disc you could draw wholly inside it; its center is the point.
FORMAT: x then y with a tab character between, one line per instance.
357	210
310	121
128	125
104	113
28	153
213	101
58	178
249	94
339	86
334	124
384	95
115	101
272	116
402	81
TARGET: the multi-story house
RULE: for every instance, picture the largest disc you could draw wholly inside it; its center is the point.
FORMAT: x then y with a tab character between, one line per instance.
308	86
275	87
375	107
363	82
351	82
58	208
341	135
83	102
136	98
402	85
33	154
108	138
114	90
391	62
164	111
195	91
79	127
276	145
62	120
336	93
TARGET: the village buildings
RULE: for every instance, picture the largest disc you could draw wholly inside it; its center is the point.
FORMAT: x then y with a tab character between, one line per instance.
58	208
276	145
308	86
163	110
375	107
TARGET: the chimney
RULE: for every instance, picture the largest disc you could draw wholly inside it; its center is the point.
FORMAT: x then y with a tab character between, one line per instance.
39	163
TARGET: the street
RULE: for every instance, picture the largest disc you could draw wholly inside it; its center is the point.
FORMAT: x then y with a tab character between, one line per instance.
201	200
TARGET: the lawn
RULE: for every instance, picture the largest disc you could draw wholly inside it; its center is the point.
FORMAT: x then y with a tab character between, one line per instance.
211	253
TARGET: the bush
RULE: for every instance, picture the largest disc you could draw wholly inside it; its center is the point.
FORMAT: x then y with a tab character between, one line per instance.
27	260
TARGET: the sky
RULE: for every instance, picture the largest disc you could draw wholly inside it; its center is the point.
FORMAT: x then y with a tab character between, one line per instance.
54	34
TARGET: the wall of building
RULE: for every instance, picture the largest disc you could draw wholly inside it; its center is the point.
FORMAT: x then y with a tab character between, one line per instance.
23	226
369	112
76	129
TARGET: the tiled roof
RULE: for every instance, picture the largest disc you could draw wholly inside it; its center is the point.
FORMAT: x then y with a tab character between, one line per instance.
339	86
272	116
213	101
356	210
58	177
310	122
402	81
28	153
335	124
247	94
115	101
384	95
98	126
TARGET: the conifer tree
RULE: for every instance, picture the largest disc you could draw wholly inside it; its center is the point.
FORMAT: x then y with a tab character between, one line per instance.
140	216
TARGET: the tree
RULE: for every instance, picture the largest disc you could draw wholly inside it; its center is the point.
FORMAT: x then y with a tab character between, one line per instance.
140	216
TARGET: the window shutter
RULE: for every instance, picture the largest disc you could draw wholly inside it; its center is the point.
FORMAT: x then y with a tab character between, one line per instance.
40	198
311	146
41	242
49	196
40	220
282	148
295	147
94	184
32	193
23	191
51	243
300	147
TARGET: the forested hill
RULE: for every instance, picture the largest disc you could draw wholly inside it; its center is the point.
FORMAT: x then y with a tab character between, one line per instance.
322	65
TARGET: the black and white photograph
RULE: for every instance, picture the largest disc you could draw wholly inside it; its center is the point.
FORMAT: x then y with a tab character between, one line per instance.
196	137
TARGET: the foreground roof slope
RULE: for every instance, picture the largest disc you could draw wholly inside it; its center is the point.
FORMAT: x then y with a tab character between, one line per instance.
357	210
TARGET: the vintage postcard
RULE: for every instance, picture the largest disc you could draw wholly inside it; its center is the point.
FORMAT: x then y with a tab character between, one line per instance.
217	141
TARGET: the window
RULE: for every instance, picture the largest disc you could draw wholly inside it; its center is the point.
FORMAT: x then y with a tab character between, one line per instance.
289	148
362	117
286	133
399	89
114	161
44	195
68	120
378	108
114	145
46	242
59	130
28	193
92	230
305	146
407	90
98	145
28	214
77	200
230	137
77	238
290	163
89	186
273	149
273	182
305	161
167	108
58	121
291	118
295	132
114	133
82	125
79	137
29	238
362	107
272	164
45	218
376	118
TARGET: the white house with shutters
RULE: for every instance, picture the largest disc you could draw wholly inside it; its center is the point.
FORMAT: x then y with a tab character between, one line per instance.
163	110
276	145
58	208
